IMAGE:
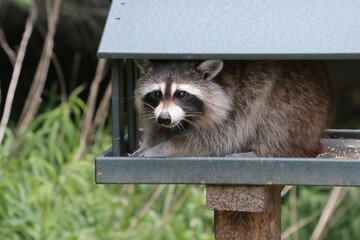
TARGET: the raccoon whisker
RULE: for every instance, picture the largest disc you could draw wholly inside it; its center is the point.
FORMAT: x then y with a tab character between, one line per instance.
148	114
148	105
196	117
153	120
200	113
127	98
192	115
191	123
124	99
178	127
183	127
151	117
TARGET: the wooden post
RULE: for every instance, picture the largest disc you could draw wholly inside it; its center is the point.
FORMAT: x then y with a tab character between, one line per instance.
245	212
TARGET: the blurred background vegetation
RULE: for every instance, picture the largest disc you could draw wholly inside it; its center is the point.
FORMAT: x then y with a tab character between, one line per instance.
54	106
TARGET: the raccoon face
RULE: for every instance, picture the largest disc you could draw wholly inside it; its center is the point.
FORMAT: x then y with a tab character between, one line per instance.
175	93
172	103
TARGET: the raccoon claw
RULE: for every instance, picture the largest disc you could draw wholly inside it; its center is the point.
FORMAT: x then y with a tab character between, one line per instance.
146	153
151	153
158	151
138	153
135	154
242	155
141	150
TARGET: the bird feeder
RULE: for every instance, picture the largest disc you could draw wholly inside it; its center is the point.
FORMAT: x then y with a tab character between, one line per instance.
243	192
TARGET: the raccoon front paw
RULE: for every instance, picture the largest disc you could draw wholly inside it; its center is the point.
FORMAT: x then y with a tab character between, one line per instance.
242	155
137	153
160	150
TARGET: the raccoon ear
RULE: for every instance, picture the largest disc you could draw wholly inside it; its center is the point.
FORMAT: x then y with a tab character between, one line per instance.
143	65
210	68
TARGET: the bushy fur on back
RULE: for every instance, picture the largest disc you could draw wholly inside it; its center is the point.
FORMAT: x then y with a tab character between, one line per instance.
270	108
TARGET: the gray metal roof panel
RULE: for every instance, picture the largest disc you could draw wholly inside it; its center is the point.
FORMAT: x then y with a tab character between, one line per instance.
236	29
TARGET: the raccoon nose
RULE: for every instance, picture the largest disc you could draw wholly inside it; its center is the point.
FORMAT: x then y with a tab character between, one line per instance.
164	119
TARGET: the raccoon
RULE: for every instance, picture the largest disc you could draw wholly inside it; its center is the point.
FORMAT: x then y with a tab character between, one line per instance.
216	108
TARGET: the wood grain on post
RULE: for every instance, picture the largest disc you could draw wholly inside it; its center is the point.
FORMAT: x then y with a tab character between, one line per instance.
245	212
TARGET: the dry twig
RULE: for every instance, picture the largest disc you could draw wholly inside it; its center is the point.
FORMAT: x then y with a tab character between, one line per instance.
146	207
180	202
293	212
90	107
61	77
103	107
338	215
167	202
335	198
17	69
34	98
74	8
75	71
7	49
102	113
299	225
285	190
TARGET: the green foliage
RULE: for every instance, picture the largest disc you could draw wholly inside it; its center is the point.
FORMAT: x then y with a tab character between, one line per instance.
22	3
45	194
312	199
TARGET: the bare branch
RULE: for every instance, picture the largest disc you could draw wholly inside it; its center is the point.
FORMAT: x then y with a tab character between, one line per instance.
293	212
90	106
339	214
75	71
335	198
146	207
17	69
74	8
34	98
180	202
102	112
7	49
167	202
285	190
103	106
299	225
61	77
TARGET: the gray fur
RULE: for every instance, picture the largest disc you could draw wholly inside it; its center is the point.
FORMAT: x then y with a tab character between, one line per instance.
210	68
143	65
270	108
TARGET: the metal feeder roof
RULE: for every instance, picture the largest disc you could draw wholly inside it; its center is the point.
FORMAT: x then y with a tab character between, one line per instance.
236	29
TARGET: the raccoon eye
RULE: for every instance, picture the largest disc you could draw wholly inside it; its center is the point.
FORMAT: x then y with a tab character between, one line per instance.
182	94
156	94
